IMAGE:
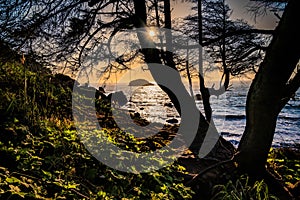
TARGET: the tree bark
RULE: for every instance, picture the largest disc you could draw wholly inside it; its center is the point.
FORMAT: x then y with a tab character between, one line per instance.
152	55
267	92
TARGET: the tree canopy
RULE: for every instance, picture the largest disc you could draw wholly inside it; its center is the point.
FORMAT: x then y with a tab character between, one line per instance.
63	34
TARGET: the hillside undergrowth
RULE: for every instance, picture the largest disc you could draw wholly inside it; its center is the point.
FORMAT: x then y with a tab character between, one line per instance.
42	156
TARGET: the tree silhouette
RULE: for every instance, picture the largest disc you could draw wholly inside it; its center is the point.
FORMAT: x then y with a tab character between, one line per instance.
68	31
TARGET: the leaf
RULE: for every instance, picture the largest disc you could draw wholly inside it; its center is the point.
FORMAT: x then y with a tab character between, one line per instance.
47	173
71	186
16	190
12	180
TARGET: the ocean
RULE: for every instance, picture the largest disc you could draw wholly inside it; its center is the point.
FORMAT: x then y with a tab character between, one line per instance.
228	111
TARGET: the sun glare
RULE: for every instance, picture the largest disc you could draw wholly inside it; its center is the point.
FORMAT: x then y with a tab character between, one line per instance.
151	33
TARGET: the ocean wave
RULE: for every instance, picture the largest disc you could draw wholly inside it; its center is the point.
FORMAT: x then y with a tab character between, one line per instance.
227	134
230	117
289	118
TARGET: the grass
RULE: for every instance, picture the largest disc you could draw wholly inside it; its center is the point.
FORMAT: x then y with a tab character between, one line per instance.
243	189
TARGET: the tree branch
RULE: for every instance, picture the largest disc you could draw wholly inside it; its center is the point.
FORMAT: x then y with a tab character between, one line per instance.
238	32
291	88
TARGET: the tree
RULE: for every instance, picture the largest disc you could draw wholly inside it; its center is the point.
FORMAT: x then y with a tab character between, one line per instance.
152	55
275	82
57	32
232	45
69	30
230	35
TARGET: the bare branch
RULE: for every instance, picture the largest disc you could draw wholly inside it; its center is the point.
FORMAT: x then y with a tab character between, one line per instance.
237	33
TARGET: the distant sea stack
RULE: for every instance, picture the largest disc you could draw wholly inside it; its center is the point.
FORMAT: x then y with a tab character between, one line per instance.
140	82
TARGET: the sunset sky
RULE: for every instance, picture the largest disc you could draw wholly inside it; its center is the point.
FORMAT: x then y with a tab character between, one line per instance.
240	11
182	9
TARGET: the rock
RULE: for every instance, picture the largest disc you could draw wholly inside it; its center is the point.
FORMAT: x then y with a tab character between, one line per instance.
140	82
172	121
198	97
170	105
135	115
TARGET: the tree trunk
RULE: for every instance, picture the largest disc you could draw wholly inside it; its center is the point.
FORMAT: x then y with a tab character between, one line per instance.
203	90
267	92
152	55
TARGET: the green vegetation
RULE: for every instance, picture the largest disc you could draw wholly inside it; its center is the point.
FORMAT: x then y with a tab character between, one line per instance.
242	189
285	163
42	157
